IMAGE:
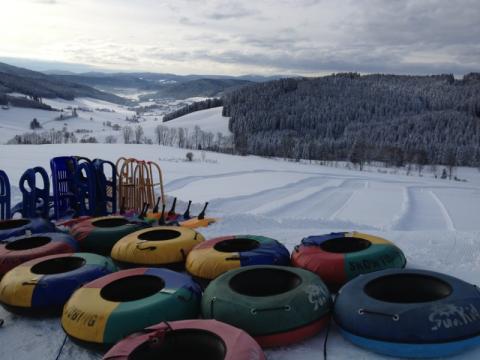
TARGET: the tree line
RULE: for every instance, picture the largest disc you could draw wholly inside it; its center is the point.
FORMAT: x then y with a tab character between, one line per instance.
196	106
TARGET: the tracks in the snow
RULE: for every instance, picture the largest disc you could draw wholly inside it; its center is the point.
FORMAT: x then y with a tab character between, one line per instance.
423	210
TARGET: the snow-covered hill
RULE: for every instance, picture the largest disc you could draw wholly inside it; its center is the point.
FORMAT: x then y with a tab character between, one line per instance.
210	120
434	221
99	119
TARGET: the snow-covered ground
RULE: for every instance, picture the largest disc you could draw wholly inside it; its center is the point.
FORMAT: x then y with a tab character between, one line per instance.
92	116
435	222
98	117
210	120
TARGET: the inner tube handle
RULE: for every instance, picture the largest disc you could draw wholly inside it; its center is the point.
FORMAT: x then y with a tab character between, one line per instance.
186	214
201	216
161	220
172	210
144	210
155	209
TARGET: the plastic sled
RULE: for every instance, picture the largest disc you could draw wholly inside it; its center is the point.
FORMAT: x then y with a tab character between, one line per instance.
63	177
5	196
85	189
106	177
35	200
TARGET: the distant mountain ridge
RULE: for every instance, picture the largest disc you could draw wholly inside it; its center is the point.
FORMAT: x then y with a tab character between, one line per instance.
164	85
39	85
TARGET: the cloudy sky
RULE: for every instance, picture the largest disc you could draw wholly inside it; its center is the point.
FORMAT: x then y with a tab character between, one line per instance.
308	37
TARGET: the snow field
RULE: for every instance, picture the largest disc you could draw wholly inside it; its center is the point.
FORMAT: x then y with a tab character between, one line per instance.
434	221
16	121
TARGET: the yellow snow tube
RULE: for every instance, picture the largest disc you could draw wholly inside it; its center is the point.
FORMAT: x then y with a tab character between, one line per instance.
156	246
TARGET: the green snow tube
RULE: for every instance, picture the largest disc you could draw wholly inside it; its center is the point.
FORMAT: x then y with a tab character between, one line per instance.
99	235
277	305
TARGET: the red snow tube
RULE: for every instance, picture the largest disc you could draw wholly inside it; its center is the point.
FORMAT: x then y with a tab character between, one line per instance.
188	339
17	250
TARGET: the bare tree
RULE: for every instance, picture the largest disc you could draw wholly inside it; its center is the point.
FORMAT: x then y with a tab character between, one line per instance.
181	138
197	136
127	134
138	134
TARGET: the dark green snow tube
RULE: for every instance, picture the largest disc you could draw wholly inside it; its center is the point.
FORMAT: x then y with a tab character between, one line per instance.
278	305
99	235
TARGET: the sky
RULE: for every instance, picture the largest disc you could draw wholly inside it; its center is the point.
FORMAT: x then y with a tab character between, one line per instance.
301	37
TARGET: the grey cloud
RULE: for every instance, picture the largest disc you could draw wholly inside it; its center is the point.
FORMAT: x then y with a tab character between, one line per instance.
286	38
429	22
232	10
190	21
318	61
417	37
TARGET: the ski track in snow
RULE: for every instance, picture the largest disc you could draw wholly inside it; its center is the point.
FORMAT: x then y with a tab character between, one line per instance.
423	210
446	216
291	207
182	182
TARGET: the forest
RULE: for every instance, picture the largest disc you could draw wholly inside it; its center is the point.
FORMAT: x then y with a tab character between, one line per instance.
359	118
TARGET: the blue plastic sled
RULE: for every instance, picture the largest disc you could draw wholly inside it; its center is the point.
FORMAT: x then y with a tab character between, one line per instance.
5	196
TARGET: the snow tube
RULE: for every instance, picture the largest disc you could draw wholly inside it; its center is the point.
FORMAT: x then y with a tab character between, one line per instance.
45	284
98	235
17	250
19	227
339	257
277	305
157	246
188	339
110	308
410	313
212	258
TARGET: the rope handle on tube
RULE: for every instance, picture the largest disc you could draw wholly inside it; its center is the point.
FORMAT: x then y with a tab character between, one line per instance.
254	311
395	317
150	248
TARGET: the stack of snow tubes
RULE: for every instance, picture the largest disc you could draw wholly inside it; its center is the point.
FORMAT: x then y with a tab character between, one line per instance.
212	258
340	257
254	298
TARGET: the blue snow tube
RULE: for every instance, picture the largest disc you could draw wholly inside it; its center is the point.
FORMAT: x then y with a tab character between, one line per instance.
43	285
18	227
409	313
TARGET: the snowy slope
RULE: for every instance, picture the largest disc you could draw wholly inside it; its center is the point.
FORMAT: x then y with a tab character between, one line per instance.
94	114
434	221
210	120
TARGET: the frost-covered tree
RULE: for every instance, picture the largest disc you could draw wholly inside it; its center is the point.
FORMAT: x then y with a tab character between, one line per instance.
400	118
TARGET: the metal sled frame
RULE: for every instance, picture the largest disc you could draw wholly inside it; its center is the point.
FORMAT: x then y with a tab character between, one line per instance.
136	184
